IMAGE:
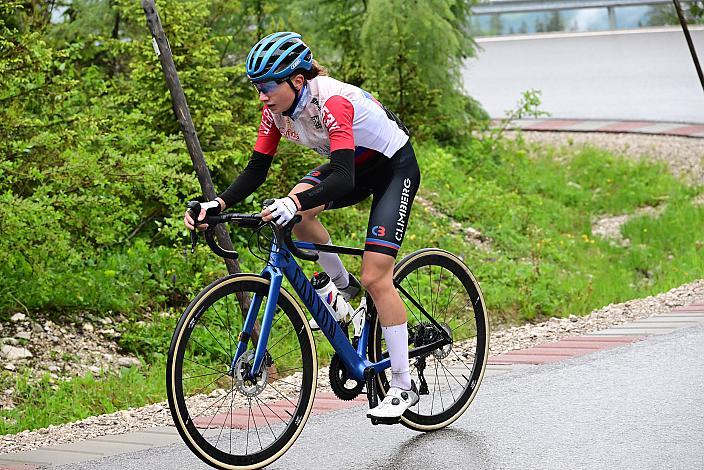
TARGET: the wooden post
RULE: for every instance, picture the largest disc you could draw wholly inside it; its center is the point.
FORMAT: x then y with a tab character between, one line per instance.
688	37
183	115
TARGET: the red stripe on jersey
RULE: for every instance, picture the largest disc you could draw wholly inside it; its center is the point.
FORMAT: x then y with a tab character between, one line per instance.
338	115
268	136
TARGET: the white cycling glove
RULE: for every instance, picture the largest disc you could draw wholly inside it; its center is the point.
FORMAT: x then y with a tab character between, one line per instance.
283	210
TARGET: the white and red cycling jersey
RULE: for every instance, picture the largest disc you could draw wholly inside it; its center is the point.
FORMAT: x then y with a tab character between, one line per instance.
332	115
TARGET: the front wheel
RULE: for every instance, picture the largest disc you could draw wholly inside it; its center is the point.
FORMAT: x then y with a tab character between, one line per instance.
447	378
229	419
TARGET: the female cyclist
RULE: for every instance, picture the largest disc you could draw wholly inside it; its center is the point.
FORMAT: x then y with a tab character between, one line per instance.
370	154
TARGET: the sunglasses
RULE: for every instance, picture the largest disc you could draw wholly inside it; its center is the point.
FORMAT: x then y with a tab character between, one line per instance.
267	87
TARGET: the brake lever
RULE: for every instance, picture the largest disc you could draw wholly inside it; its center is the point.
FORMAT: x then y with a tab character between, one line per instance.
194	210
194	240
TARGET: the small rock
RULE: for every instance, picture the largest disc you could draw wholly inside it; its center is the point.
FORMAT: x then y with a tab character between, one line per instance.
10	366
23	335
106	321
573	318
54	376
11	341
12	353
87	327
54	368
18	317
108	332
54	339
95	370
9	391
128	362
48	325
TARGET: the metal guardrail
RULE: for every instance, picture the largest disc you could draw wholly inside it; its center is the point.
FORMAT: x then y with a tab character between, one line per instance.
495	7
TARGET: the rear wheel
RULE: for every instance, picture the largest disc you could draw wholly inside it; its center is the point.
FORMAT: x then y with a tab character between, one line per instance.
448	378
226	418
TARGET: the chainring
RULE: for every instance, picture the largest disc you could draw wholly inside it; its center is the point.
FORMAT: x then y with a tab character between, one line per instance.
339	381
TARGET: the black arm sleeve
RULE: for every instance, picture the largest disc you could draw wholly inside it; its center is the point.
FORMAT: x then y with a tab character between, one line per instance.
249	180
337	184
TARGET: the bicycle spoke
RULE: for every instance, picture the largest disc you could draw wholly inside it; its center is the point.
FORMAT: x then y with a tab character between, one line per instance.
216	340
432	400
439	386
227	325
205	375
227	358
284	397
211	383
203	365
264	415
246	448
232	402
275	413
256	428
283	355
408	309
280	339
210	406
437	295
461	361
451	375
287	383
216	413
449	387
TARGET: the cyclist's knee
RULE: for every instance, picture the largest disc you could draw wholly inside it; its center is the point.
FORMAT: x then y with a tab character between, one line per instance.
376	277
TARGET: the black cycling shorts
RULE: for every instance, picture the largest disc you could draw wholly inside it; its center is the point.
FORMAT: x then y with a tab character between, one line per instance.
393	183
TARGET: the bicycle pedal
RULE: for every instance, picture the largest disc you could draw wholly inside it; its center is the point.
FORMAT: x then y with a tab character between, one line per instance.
386	421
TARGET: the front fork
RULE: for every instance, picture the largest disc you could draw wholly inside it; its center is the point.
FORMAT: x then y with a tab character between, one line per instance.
260	353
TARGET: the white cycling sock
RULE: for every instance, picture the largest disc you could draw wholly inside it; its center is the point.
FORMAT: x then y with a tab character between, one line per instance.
397	343
332	265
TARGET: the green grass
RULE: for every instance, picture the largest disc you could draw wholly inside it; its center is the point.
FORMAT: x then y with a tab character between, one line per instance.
40	405
537	206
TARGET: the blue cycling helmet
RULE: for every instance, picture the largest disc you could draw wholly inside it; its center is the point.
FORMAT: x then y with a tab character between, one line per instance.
277	56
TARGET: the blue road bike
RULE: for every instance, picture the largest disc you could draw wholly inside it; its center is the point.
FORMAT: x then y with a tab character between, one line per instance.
242	368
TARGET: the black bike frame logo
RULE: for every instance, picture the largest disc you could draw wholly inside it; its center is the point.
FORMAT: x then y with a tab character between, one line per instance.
310	297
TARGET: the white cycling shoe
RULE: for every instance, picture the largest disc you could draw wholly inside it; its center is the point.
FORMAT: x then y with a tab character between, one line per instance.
395	403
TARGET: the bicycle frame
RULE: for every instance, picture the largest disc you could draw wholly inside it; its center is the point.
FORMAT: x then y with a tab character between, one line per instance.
282	263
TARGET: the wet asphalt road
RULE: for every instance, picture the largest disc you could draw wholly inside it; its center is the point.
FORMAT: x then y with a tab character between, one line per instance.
643	76
636	407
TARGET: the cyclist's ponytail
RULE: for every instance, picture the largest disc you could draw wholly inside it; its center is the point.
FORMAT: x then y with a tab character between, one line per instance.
314	71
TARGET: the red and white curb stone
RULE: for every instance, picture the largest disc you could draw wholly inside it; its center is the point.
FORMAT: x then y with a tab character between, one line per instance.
566	348
589	125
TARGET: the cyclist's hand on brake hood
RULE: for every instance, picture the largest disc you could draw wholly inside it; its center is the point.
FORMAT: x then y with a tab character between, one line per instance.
207	208
280	211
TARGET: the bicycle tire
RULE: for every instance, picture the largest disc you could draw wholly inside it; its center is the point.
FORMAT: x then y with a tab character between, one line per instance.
407	273
286	417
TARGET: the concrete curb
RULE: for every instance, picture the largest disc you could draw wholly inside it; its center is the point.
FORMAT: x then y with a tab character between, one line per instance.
678	129
619	335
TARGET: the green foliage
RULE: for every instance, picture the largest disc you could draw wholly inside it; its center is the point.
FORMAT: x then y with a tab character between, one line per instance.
667	15
537	206
414	51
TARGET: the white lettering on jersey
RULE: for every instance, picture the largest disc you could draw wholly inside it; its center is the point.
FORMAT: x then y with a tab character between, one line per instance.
329	120
267	121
